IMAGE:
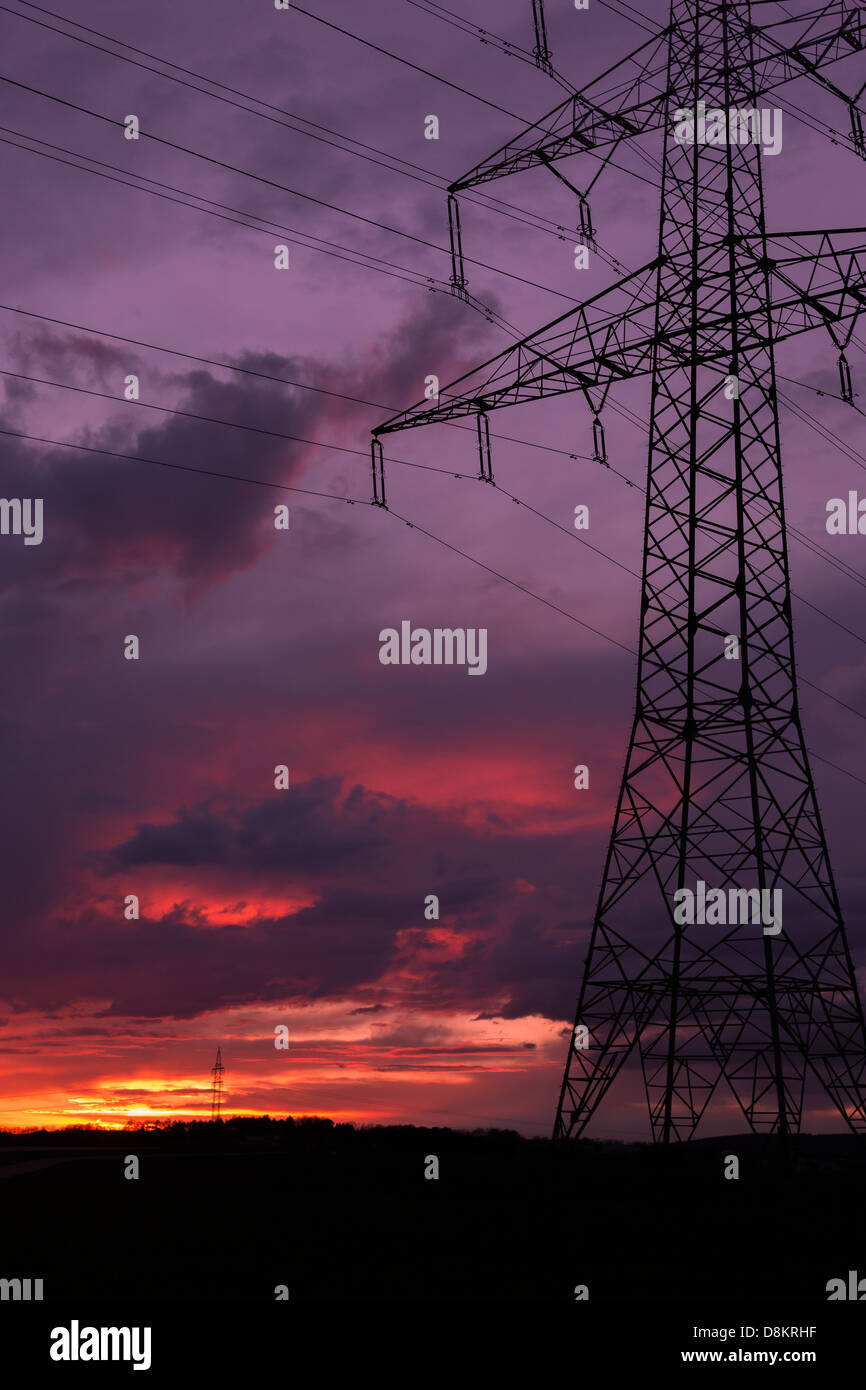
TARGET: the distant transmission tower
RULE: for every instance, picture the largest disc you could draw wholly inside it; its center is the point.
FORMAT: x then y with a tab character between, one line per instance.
217	1086
717	792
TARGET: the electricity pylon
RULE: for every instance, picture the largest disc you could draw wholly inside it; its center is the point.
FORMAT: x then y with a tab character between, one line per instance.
717	788
216	1099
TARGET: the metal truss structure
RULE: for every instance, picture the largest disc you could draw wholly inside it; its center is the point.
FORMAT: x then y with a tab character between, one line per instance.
216	1099
717	788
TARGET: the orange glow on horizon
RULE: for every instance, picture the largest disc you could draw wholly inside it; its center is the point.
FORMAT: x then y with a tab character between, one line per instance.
348	1061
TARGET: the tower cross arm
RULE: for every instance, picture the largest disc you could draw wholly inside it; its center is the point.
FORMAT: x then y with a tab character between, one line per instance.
826	36
606	339
583	121
817	279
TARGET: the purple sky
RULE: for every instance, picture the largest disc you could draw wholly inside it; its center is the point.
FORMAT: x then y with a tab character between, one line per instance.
260	647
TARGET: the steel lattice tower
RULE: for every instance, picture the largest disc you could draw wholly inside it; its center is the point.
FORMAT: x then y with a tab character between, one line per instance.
217	1086
717	787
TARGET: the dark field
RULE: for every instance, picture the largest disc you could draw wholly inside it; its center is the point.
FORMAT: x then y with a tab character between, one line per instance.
223	1214
229	1211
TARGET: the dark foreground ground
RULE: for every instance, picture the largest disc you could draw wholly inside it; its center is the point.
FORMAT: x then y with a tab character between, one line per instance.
231	1210
225	1213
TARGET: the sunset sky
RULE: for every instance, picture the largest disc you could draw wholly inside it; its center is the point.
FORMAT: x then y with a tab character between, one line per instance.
260	647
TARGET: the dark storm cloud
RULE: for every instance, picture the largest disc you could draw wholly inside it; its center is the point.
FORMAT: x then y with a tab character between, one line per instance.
313	831
305	832
179	965
113	519
125	520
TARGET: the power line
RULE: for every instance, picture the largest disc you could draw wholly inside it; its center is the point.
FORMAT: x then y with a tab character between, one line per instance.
207	472
368	43
294	438
824	431
598	633
835	621
798	768
814	548
486	36
421	175
228	424
191	415
847	771
530	125
841	566
301	439
285	487
485	200
415	526
224	86
184	467
621	12
360	453
835	698
197	154
333	497
396	272
573	535
338	252
284	188
466	26
283	381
